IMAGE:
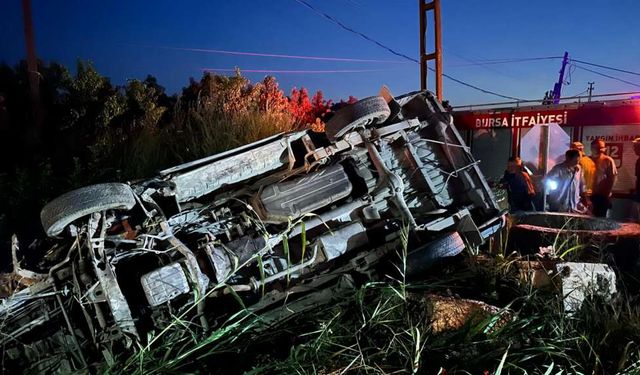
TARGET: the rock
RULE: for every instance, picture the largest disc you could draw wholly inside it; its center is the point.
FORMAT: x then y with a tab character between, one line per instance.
450	313
580	280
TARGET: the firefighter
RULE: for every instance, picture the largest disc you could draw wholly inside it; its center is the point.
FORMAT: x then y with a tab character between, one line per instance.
519	186
588	168
604	177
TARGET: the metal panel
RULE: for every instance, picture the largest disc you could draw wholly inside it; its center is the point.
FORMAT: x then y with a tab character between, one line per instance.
292	199
342	240
210	177
164	284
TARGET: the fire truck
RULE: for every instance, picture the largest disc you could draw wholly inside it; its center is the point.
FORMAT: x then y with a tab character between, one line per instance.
496	131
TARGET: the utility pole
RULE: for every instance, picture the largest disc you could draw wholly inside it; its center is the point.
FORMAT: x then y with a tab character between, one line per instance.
590	89
557	88
437	54
32	62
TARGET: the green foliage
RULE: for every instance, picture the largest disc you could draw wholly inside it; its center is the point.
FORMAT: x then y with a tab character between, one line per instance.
96	132
385	327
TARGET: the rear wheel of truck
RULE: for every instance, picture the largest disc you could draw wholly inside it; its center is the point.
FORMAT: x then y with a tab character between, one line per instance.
364	112
420	259
67	208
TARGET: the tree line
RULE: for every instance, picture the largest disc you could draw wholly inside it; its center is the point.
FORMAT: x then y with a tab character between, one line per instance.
92	131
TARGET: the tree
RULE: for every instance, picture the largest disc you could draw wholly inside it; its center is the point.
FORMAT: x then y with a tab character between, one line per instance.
191	93
143	109
270	98
319	105
337	106
300	107
88	92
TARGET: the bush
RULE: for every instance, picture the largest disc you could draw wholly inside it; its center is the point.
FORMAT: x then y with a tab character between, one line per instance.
95	132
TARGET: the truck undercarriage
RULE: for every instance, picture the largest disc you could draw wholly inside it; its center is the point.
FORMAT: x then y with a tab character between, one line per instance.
265	223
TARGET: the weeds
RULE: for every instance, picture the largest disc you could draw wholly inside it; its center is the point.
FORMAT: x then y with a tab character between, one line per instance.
383	328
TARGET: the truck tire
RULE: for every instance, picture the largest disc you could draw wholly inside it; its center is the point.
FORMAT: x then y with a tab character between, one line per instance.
368	110
360	114
65	209
424	257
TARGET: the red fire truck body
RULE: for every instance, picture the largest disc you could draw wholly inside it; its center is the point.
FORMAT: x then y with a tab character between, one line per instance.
495	131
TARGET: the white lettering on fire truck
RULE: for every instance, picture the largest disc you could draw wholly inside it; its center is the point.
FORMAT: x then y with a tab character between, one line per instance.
520	121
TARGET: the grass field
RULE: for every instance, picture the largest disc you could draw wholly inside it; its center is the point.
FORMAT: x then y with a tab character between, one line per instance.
392	327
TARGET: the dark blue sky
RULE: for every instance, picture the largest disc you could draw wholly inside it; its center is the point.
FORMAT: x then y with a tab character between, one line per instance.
119	36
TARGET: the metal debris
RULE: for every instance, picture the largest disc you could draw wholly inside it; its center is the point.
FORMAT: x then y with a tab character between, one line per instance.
258	221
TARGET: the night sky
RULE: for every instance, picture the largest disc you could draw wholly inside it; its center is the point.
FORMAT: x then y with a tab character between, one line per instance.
124	41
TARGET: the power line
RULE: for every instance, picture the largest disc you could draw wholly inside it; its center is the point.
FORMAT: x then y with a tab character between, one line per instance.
506	61
476	87
606	67
276	55
349	29
516	59
576	95
391	50
294	71
606	75
477	63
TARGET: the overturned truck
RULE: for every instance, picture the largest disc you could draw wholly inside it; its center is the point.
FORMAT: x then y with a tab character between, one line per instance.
267	222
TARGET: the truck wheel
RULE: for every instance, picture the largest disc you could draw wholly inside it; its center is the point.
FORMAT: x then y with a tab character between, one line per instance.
424	257
360	114
370	109
65	209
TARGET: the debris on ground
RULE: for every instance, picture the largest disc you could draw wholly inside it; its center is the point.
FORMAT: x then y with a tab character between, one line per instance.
582	280
537	273
451	313
575	281
265	224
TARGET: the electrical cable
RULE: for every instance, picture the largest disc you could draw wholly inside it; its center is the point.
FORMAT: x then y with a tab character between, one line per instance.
476	87
507	61
572	68
478	64
294	71
576	95
347	28
606	67
608	76
276	55
390	50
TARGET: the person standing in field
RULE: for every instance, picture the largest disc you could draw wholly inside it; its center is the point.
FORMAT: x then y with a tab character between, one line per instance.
519	186
604	177
566	185
588	168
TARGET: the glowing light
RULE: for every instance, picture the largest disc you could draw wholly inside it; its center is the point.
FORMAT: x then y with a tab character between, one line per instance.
552	184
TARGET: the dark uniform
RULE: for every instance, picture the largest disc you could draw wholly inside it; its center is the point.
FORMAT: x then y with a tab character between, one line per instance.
520	190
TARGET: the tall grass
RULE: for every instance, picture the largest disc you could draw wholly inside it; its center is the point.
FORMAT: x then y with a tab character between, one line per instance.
196	132
385	328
